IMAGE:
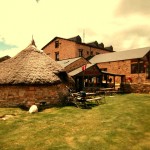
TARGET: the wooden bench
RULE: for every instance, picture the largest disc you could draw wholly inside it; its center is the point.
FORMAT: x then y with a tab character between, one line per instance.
96	99
84	103
90	97
112	93
108	92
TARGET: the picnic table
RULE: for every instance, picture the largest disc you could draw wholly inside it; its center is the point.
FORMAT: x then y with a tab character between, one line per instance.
107	91
90	97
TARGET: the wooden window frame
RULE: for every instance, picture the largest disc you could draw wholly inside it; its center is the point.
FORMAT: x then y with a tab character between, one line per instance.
56	56
56	44
80	52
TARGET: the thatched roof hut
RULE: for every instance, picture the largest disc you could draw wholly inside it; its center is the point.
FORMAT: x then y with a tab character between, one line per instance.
30	66
31	70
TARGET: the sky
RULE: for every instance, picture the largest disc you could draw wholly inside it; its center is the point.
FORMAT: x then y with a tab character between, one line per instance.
124	24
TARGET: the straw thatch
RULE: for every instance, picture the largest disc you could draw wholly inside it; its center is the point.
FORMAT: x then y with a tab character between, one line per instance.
4	58
30	66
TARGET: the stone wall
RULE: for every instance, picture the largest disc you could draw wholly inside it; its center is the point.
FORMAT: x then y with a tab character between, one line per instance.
137	88
124	67
89	50
12	96
66	49
69	49
140	88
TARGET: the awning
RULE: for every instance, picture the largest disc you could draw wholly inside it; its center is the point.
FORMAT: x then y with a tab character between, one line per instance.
112	74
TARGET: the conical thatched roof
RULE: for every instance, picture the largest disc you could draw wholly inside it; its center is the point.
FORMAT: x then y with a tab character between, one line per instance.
30	66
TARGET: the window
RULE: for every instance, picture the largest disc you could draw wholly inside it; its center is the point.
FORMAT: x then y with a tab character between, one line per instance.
87	52
56	56
137	68
80	52
56	44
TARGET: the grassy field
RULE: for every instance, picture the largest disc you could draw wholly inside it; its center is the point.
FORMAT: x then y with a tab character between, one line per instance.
123	123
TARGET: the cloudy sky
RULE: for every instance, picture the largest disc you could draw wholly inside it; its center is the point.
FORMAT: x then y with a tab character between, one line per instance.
124	24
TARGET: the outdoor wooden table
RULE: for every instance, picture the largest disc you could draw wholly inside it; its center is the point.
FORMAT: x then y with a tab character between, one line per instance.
75	94
84	101
107	91
90	94
87	94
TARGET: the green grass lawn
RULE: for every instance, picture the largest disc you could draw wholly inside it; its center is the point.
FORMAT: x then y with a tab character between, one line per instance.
123	123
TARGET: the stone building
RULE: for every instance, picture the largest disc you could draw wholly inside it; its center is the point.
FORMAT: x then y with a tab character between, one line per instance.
135	64
32	77
88	76
61	48
130	66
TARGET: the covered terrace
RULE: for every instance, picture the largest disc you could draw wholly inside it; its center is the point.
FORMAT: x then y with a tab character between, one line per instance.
92	78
